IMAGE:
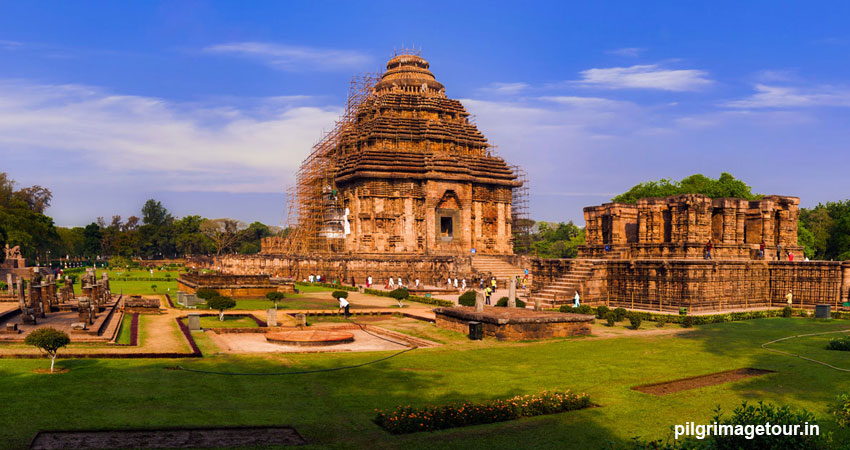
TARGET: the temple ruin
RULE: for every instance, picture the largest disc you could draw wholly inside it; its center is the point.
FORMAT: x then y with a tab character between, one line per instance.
680	226
404	172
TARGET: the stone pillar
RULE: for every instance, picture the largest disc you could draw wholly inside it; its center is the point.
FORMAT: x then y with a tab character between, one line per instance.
300	320
844	295
194	322
512	293
9	285
479	301
22	299
271	317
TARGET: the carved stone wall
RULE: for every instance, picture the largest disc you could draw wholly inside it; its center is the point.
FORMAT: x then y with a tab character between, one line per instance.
679	226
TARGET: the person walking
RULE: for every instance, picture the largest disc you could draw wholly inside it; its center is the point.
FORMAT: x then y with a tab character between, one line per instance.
369	282
576	300
708	246
417	283
399	282
455	282
481	283
790	256
779	252
761	249
789	298
463	283
493	283
487	293
391	283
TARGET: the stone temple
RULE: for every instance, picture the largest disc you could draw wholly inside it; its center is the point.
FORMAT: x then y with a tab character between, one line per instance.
404	185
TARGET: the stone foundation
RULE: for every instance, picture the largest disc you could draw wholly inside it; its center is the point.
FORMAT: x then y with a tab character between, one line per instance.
431	270
234	286
514	324
699	285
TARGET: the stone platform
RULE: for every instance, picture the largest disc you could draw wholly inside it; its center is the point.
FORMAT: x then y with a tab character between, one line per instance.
310	338
514	323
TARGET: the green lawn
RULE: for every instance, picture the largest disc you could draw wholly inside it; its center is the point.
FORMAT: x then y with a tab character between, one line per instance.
228	322
124	334
335	409
135	287
292	301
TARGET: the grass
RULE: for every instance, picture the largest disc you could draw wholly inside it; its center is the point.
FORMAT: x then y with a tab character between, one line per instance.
124	333
257	304
335	409
228	322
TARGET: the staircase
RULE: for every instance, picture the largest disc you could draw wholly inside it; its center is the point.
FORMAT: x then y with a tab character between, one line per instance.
499	268
562	290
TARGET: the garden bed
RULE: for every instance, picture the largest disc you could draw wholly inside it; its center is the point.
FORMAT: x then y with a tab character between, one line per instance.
168	438
684	384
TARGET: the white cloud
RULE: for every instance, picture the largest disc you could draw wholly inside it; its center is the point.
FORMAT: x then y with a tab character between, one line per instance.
648	76
505	88
187	147
291	58
772	96
632	52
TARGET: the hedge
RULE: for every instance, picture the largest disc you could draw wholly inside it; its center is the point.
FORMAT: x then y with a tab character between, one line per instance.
330	285
702	319
412	298
411	419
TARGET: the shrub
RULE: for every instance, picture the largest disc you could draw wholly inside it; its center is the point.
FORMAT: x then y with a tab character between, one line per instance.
620	314
467	298
687	321
683	311
153	287
787	311
842	344
611	318
602	311
635	320
49	340
275	297
661	320
206	293
504	302
411	419
221	303
399	294
841	410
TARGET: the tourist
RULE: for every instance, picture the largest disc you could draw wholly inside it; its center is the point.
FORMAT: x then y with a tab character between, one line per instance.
311	278
417	283
576	300
352	282
343	304
481	283
449	281
487	293
779	252
806	259
455	282
463	283
789	298
790	256
708	246
369	282
761	249
493	283
391	283
399	282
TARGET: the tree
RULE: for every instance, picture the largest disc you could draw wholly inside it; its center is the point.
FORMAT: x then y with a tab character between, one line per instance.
2	243
725	186
221	303
92	240
206	293
275	297
48	340
153	213
36	197
399	294
222	232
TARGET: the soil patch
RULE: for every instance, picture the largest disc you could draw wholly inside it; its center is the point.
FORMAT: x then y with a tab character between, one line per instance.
684	384
168	438
55	370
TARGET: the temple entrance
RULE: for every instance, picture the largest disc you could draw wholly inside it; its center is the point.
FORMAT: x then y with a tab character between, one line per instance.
717	225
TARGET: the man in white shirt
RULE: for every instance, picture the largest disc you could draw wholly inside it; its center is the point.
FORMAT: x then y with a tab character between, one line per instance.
369	281
343	304
392	283
417	283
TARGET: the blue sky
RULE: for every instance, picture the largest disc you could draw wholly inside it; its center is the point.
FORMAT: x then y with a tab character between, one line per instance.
210	106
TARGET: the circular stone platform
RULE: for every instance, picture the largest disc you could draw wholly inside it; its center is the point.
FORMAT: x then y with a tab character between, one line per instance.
310	338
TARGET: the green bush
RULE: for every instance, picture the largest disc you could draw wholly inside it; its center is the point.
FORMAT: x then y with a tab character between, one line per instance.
336	286
412	298
582	309
275	297
3	286
503	302
841	410
206	293
399	293
467	299
620	314
602	311
221	303
687	321
635	321
683	311
411	419
611	318
339	294
842	344
787	311
49	340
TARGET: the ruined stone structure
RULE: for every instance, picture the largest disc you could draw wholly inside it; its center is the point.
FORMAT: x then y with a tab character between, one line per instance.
679	226
406	172
232	285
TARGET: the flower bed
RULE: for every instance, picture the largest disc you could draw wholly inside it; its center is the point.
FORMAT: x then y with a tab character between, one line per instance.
410	419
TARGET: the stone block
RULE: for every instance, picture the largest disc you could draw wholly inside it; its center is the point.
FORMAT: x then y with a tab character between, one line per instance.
271	317
194	322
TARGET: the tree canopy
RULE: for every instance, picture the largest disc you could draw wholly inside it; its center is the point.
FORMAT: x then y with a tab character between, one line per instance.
725	186
824	230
